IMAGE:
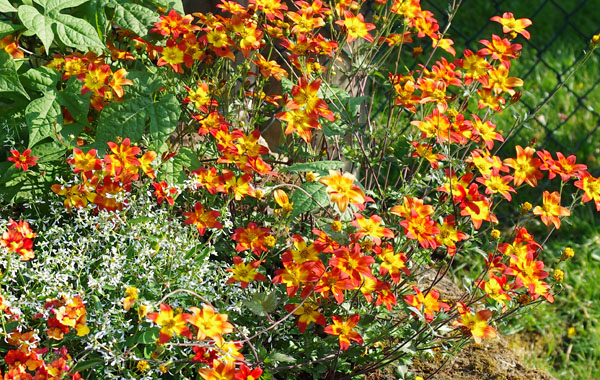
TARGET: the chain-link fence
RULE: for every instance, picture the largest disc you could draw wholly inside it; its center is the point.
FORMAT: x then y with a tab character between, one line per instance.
560	34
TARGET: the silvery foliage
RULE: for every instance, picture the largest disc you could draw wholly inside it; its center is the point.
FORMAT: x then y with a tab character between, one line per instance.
98	254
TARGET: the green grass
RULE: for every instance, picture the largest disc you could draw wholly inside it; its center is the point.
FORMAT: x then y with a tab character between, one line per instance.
575	355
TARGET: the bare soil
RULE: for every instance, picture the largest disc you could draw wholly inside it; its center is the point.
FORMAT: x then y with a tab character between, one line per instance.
491	360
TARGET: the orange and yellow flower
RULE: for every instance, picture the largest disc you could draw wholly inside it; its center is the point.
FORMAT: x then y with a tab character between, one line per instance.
476	324
202	219
342	190
252	238
170	323
209	323
344	329
551	210
512	25
244	273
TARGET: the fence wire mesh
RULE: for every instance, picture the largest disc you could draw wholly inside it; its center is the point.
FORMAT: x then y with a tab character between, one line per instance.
560	34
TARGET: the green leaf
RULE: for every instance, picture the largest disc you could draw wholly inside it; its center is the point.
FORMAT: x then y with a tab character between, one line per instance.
281	357
177	5
38	23
94	13
173	168
78	105
76	32
141	219
10	326
72	31
134	17
8	28
57	5
354	104
87	364
50	151
41	79
314	166
43	118
262	303
306	200
286	85
126	119
164	116
145	82
6	7
150	336
9	79
9	172
336	128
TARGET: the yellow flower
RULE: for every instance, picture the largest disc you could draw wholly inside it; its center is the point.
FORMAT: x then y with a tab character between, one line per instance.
270	240
558	275
336	226
567	254
142	365
595	41
525	207
495	234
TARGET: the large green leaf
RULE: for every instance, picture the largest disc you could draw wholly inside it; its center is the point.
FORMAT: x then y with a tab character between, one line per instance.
262	303
149	336
49	151
43	118
41	79
8	28
126	119
173	169
94	13
9	79
311	196
134	17
76	32
9	172
78	105
164	116
145	82
38	23
5	7
57	5
129	119
72	31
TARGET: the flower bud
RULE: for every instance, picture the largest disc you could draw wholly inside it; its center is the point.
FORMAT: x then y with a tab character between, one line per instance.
495	234
525	207
567	254
558	275
595	41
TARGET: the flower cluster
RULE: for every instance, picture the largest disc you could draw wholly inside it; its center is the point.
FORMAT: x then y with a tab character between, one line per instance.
97	76
18	238
102	180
